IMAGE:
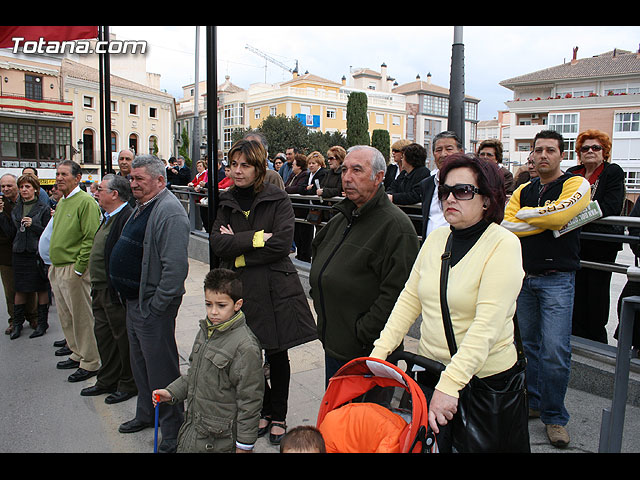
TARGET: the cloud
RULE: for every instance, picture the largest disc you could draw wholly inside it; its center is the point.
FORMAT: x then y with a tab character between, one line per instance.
492	53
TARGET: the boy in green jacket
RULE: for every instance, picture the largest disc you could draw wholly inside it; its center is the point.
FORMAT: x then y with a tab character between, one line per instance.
224	386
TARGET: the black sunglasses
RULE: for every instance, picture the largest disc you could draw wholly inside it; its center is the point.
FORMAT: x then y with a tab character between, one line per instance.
461	191
595	148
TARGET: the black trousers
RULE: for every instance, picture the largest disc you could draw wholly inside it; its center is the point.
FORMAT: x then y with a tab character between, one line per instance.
302	237
592	294
155	363
110	329
276	388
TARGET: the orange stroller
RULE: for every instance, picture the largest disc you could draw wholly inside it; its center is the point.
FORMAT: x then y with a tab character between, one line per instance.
372	406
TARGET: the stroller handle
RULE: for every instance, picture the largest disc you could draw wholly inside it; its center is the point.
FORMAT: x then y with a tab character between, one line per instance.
411	359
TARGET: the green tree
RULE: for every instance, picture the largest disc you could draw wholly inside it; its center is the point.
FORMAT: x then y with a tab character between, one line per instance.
184	147
357	121
381	140
321	142
281	133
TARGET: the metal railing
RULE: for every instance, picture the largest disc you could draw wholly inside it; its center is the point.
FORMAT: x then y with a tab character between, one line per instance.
612	418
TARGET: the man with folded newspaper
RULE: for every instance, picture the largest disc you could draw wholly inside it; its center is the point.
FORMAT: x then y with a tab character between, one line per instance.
545	304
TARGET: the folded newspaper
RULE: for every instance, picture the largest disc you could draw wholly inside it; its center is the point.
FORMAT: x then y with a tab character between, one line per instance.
592	212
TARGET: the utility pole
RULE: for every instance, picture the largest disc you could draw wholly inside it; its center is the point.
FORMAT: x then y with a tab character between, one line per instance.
456	86
212	132
195	140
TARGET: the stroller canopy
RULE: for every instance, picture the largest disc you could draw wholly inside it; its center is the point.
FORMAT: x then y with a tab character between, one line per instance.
372	406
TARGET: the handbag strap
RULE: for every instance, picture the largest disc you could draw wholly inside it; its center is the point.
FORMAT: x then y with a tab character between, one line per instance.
446	317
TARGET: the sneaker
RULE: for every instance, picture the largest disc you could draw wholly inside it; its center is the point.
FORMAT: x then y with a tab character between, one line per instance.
558	436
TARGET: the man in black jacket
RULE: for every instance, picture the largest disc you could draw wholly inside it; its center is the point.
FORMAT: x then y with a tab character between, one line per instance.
115	376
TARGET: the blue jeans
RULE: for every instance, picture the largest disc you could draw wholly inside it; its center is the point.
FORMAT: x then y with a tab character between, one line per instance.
544	312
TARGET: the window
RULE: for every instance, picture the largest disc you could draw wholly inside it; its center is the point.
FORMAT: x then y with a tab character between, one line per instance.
46	143
233	114
564	123
114	143
9	139
379	118
272	111
395	120
470	111
433	105
626	122
153	112
133	109
27	141
33	87
331	113
622	89
632	180
63	142
87	101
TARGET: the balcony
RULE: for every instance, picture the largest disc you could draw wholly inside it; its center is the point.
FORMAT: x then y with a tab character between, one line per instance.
540	105
20	103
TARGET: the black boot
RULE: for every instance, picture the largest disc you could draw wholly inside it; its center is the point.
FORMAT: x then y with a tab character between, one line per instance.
18	320
43	321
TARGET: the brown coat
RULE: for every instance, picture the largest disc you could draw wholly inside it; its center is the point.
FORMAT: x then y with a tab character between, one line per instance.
275	304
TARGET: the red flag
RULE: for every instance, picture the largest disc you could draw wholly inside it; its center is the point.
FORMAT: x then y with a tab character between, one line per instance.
48	33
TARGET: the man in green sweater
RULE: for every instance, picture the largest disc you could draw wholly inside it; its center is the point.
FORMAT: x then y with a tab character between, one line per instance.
75	223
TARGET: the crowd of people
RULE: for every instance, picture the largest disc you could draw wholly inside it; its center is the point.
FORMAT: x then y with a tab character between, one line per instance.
116	263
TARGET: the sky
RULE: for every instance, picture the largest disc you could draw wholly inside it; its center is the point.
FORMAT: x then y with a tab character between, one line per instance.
491	53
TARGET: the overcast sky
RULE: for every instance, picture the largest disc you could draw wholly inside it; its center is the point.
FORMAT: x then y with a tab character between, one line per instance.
492	53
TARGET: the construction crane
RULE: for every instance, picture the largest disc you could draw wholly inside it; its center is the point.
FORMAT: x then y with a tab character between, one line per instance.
267	58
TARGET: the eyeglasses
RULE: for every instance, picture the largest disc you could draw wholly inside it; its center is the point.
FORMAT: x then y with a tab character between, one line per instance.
586	148
461	191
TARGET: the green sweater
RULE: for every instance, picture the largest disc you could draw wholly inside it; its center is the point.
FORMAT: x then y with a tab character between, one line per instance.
77	219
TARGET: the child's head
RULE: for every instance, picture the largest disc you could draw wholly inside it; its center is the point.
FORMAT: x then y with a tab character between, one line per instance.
222	294
303	439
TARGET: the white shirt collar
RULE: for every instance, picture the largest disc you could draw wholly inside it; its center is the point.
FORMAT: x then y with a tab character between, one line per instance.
74	191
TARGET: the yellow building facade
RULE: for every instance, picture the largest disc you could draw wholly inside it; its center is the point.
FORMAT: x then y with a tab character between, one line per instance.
321	105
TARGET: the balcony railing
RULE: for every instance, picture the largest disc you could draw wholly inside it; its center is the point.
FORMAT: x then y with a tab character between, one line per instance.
12	101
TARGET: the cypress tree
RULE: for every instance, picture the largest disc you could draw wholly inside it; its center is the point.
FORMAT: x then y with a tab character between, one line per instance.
357	121
381	140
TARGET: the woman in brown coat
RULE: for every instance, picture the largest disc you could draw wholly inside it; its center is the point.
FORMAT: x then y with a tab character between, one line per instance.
252	234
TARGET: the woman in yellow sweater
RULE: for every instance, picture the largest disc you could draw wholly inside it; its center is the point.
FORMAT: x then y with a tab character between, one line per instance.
484	281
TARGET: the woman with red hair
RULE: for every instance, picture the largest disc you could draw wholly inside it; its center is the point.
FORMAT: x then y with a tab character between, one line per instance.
591	302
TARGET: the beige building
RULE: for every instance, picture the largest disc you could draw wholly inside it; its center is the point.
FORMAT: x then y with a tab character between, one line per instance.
35	119
601	92
142	117
50	110
428	114
318	103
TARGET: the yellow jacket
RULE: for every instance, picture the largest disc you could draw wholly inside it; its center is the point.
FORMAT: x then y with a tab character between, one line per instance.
482	291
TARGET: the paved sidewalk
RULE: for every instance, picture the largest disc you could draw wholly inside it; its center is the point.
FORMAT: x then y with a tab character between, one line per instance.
307	385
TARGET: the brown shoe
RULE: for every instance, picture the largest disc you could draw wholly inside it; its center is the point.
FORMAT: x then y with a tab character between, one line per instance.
558	436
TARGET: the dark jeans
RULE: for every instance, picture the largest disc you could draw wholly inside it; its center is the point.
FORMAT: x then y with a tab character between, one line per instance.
155	364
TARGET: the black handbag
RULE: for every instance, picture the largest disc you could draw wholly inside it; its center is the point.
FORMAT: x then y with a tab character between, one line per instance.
488	420
314	216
